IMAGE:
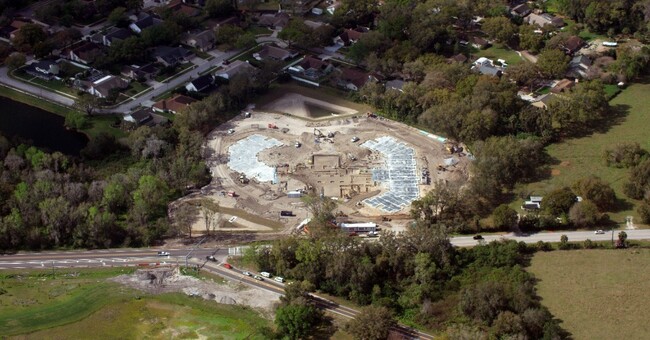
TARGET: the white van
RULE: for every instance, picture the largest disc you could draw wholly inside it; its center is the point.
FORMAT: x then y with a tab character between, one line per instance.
278	279
265	274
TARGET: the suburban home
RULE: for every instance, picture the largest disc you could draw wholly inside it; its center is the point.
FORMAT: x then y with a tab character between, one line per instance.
543	101
486	66
174	104
142	116
521	10
86	53
117	34
236	67
353	79
179	6
396	84
144	21
202	40
479	43
274	53
542	20
533	203
572	45
274	20
171	56
349	36
9	32
458	58
136	72
44	69
103	86
311	68
562	86
579	66
200	84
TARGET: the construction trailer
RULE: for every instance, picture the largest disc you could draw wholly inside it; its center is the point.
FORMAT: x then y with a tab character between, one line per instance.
358	227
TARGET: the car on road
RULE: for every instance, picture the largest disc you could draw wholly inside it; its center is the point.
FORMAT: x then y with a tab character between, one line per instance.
599	232
257	277
211	258
231	131
246	273
477	237
278	279
163	253
265	274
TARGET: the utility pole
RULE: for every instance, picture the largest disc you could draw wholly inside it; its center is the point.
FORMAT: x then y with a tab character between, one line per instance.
189	254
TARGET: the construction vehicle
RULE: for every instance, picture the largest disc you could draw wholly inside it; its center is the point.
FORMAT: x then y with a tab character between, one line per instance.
243	179
371	115
232	194
272	126
330	135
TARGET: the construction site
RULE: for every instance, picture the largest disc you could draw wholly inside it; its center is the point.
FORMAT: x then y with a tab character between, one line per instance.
264	161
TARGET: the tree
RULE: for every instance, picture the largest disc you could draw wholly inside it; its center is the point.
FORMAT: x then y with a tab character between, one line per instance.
296	321
499	28
372	323
118	17
558	202
529	40
504	217
87	103
622	240
644	211
75	120
585	103
211	214
15	60
584	214
228	35
553	63
597	191
523	73
638	186
625	155
218	8
28	36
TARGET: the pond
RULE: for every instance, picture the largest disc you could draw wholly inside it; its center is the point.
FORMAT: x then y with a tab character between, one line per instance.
316	111
45	130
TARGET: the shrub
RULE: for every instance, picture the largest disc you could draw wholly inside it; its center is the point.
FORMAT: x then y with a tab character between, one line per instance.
625	155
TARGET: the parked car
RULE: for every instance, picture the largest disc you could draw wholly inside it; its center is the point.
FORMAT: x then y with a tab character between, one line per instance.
227	265
477	237
354	139
278	279
163	253
257	277
265	274
231	131
599	232
246	273
211	258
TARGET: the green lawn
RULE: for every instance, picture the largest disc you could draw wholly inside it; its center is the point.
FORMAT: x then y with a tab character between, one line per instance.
135	88
177	72
498	51
41	306
598	294
57	86
581	157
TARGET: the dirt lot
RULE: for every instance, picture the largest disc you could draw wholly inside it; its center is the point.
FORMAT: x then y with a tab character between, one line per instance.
332	164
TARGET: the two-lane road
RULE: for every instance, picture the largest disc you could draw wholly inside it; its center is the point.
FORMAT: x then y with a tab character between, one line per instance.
574	236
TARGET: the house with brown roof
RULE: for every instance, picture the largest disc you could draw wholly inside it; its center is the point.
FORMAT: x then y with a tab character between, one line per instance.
353	79
235	68
179	6
274	20
274	53
136	72
103	86
479	43
542	20
311	68
174	104
563	86
85	53
572	45
349	36
202	40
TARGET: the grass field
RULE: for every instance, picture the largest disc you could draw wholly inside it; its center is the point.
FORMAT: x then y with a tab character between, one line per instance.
498	51
68	306
581	157
598	294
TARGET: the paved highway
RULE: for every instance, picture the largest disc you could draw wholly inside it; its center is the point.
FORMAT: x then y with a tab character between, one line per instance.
632	234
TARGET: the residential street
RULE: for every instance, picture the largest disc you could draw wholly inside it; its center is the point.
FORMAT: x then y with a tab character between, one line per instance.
574	236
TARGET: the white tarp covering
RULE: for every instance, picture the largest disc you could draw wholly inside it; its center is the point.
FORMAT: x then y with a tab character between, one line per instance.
243	157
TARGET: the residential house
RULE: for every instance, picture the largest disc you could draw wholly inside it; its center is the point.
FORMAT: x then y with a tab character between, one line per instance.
542	20
274	20
180	7
458	58
86	53
145	20
235	68
142	116
171	56
117	34
572	45
543	101
349	36
521	10
311	68
579	66
200	84
479	43
174	104
486	66
274	53
562	86
202	41
136	72
102	87
396	84
9	32
533	203
353	79
44	69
